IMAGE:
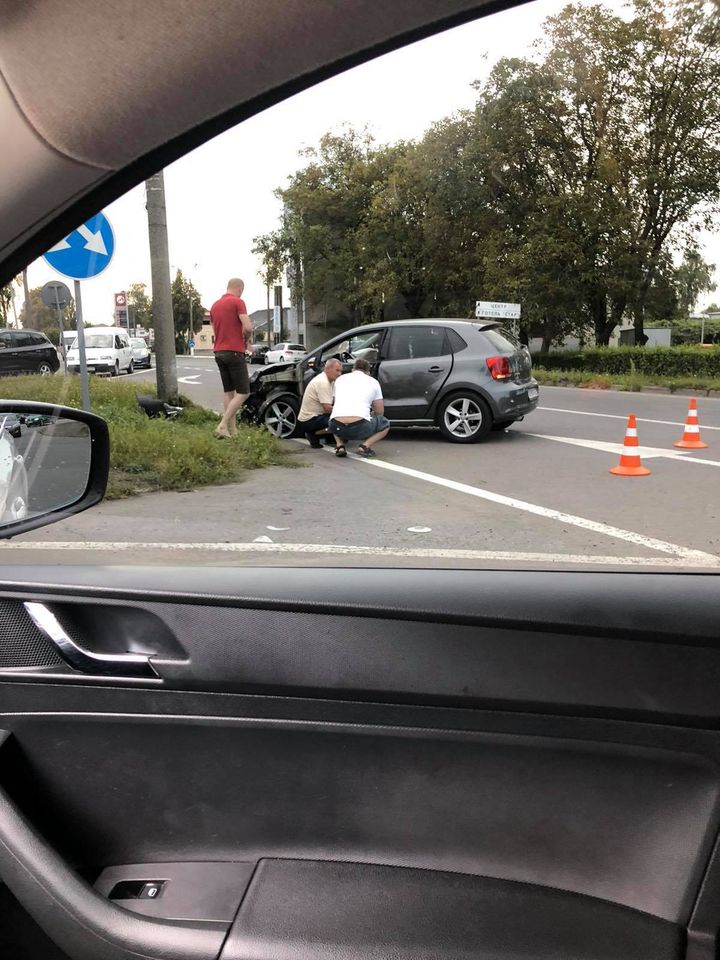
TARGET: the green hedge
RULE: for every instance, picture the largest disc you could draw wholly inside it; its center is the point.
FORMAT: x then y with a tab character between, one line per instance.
654	361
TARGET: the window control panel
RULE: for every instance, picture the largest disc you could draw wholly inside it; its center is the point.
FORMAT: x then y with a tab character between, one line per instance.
209	891
151	890
137	890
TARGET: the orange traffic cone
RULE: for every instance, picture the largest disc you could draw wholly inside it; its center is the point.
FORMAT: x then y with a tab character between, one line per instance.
691	434
630	465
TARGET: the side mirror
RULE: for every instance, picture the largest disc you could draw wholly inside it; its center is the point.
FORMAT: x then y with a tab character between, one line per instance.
312	363
54	463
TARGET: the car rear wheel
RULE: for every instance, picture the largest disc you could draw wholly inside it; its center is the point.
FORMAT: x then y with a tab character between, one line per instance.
44	369
464	418
280	416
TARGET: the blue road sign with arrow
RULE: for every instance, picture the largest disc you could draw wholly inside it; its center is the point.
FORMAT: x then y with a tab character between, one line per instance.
86	251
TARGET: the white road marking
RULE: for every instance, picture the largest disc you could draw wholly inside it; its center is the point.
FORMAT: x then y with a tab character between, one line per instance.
650	543
138	373
617	416
190	380
646	453
697	559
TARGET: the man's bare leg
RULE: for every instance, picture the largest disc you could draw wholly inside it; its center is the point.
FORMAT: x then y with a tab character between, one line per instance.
228	424
375	437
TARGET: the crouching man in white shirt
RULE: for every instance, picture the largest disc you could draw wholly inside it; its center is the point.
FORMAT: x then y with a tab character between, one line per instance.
358	413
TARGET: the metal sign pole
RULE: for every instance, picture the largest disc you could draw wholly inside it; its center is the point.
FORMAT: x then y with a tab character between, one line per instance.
84	381
63	349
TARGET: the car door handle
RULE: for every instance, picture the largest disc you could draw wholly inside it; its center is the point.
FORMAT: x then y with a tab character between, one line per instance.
435	369
85	661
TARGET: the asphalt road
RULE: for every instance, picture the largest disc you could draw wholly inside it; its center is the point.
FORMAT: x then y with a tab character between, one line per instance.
538	494
57	461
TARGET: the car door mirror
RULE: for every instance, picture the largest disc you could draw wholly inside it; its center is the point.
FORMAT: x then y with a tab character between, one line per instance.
312	363
54	463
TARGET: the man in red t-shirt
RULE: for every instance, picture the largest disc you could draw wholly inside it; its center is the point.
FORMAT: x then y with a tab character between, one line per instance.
231	326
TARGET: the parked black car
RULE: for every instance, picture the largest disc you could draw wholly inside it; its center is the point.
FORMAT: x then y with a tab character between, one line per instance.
27	351
257	352
464	377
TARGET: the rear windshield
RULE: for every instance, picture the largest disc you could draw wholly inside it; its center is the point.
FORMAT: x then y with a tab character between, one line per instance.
499	340
139	342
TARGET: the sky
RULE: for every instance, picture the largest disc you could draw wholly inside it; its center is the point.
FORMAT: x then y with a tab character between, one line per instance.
220	196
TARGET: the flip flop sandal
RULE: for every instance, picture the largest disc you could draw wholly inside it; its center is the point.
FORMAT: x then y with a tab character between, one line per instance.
340	451
366	452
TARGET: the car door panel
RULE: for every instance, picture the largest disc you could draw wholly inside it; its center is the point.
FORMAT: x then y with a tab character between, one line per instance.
411	384
10	356
535	763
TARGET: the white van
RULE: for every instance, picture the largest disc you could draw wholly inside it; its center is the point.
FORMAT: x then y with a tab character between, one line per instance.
107	349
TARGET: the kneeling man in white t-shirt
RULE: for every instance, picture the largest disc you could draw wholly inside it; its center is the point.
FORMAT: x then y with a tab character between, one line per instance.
358	412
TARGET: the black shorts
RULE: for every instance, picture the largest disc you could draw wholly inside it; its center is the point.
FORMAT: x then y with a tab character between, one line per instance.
233	371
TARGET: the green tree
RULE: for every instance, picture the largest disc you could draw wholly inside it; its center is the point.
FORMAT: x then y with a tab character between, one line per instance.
570	187
140	306
692	278
274	249
45	318
187	310
621	120
324	208
7	296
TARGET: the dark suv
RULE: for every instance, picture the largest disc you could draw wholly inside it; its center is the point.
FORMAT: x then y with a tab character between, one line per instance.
464	377
27	351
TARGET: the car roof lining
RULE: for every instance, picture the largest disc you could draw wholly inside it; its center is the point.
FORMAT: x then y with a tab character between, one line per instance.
111	135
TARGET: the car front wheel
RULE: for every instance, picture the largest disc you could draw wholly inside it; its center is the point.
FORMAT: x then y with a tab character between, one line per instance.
131	367
464	418
116	369
280	416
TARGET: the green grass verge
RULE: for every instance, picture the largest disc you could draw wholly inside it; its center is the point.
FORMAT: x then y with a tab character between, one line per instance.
149	455
622	381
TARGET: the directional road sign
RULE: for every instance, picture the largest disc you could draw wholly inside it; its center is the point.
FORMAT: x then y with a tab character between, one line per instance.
491	310
55	294
86	251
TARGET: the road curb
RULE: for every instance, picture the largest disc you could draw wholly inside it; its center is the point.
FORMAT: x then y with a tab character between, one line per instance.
618	388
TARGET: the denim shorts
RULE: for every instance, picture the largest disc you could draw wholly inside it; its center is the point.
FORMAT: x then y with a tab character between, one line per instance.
361	430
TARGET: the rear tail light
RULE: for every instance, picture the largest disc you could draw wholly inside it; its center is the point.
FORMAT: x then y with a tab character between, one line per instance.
499	367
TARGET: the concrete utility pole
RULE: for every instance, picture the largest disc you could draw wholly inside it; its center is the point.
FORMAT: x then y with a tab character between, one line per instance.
165	361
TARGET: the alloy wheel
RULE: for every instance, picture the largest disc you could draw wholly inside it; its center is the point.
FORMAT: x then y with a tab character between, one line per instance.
463	417
281	419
